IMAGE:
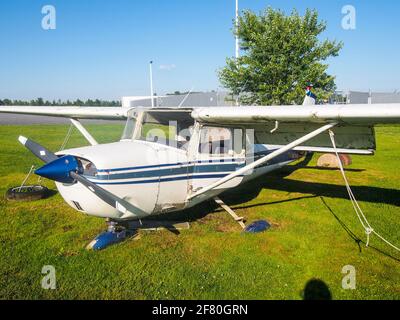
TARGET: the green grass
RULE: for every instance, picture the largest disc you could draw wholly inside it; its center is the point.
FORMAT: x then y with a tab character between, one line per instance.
311	238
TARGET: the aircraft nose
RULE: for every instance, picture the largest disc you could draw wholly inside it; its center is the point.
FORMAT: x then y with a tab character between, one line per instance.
60	170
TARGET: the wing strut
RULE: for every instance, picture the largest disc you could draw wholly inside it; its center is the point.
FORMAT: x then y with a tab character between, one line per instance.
263	160
84	132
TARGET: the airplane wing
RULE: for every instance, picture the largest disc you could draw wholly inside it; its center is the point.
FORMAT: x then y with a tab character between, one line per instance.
98	113
368	114
278	126
273	125
344	114
308	128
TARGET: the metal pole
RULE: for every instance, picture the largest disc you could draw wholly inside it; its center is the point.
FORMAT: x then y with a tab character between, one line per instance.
237	40
237	29
151	84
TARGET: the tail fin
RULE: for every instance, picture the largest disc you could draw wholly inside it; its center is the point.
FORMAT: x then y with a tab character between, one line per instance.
310	98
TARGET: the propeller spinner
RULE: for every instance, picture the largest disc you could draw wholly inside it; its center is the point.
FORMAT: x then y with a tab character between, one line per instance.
60	169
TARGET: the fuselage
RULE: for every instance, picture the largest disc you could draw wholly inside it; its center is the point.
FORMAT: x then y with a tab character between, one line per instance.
162	160
154	177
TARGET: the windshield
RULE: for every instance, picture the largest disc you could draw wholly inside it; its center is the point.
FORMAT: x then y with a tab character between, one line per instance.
130	125
173	128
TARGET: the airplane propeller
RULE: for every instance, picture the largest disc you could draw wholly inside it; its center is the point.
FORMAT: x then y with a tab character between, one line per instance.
41	152
68	169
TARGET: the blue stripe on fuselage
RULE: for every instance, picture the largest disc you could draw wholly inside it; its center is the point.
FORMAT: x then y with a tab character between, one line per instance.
210	161
216	169
190	169
163	180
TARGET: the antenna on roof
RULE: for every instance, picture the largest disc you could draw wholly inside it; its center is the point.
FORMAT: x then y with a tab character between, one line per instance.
185	98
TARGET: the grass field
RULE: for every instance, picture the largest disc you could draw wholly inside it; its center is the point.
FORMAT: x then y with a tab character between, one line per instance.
315	233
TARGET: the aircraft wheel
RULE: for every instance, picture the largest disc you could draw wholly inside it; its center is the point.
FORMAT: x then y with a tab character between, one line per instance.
28	193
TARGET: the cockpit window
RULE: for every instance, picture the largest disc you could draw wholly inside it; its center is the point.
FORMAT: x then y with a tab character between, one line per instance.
168	127
216	141
171	128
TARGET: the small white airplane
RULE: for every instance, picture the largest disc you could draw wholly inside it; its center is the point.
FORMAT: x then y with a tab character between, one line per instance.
206	151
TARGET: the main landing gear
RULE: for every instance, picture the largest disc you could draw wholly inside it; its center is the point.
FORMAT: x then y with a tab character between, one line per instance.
255	227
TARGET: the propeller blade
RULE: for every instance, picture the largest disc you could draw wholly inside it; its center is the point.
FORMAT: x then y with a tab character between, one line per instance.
39	151
111	199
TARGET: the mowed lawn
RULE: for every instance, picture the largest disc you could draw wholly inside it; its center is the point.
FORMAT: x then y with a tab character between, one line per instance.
315	234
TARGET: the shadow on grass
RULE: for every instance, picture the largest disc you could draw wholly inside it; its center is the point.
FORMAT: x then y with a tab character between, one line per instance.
190	215
278	181
332	169
51	193
251	190
363	193
316	290
353	236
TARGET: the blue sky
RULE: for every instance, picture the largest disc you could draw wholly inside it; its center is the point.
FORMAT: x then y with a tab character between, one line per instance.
101	49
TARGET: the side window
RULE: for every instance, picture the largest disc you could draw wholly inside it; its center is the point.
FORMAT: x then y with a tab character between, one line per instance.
216	141
173	129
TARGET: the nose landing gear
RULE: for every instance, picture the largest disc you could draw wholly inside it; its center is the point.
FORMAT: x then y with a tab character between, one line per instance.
119	231
116	233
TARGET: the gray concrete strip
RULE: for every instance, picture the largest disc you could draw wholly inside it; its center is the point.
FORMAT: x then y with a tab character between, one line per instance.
12	119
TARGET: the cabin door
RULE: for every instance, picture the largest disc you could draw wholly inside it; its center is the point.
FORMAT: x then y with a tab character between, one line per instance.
220	152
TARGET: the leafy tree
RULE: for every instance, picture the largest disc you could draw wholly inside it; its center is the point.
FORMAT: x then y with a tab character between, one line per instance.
282	54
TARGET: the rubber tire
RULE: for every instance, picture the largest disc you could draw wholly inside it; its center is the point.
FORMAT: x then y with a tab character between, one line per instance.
38	193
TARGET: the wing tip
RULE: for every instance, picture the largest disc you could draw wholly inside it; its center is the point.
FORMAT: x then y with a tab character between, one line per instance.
22	140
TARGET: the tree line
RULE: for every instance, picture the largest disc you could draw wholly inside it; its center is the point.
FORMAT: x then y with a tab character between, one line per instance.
59	102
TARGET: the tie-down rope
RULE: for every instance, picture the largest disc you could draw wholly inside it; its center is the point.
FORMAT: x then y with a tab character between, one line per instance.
26	178
67	137
360	214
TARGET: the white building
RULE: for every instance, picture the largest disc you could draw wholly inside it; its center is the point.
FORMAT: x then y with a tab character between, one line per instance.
202	99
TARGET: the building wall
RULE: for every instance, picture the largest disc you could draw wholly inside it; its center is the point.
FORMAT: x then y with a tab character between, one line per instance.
356	97
204	99
379	97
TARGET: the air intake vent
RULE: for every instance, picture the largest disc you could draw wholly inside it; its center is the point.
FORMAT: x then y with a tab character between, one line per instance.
77	205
